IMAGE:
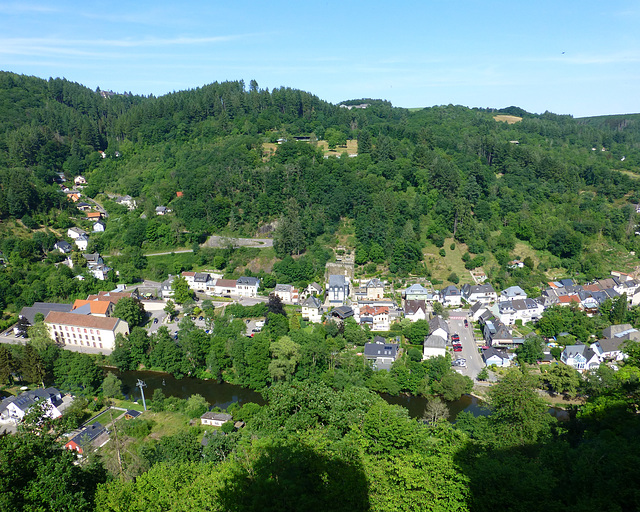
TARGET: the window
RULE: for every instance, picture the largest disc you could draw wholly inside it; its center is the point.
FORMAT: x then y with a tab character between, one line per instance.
100	345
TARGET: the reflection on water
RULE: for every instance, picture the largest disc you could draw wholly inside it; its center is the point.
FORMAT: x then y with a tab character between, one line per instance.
222	395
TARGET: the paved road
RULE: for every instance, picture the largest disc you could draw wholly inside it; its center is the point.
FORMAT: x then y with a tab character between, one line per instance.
469	347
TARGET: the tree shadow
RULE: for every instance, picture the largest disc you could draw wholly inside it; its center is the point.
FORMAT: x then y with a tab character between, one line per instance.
588	463
289	475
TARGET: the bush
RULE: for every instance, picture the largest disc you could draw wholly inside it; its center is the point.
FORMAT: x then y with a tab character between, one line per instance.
484	374
453	277
452	246
442	253
138	427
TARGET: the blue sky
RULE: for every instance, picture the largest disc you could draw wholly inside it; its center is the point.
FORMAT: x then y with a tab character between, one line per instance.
568	57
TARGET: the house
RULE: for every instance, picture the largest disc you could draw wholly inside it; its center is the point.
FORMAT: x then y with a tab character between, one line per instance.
434	346
525	310
131	414
101	308
75	233
225	287
621	331
580	357
82	206
451	296
197	281
337	289
94	216
382	354
377	317
93	258
312	310
484	293
375	289
216	419
416	292
342	312
496	334
83	440
82	242
63	246
247	286
513	292
162	210
415	310
493	356
98	227
73	196
85	330
166	290
610	349
79	180
477	310
313	289
14	408
287	293
439	327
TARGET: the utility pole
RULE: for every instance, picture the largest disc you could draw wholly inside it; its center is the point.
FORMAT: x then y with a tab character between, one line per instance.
142	385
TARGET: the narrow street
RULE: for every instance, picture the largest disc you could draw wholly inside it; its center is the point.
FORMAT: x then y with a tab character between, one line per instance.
469	347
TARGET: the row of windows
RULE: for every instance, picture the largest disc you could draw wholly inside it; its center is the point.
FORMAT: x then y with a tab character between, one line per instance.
79	342
79	336
76	329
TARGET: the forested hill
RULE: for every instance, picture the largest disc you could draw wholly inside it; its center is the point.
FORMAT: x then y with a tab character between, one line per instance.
562	186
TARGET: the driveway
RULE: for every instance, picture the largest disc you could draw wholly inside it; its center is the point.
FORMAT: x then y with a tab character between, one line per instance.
469	347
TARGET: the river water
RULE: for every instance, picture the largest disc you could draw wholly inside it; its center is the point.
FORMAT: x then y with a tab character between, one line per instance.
222	395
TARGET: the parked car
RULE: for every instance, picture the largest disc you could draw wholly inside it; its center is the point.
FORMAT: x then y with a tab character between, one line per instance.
200	318
457	348
466	323
155	320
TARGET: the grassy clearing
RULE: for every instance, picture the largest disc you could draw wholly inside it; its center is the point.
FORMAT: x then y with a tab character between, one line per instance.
441	267
507	119
631	174
351	148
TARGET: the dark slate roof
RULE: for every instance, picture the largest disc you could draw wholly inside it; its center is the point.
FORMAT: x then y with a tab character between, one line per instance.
132	413
435	341
45	308
490	352
478	305
248	281
342	312
25	400
437	322
337	280
374	350
88	434
312	302
412	306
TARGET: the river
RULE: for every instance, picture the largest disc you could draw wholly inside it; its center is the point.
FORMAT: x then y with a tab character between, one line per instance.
222	395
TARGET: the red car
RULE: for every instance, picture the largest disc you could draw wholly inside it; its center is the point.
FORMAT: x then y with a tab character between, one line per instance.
457	348
466	323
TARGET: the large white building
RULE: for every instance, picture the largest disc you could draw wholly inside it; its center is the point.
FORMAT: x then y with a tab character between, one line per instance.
247	286
83	330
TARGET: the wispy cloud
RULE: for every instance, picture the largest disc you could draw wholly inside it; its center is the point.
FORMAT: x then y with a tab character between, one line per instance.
16	8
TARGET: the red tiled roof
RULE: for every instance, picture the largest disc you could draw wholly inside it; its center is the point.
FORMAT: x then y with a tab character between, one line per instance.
94	322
